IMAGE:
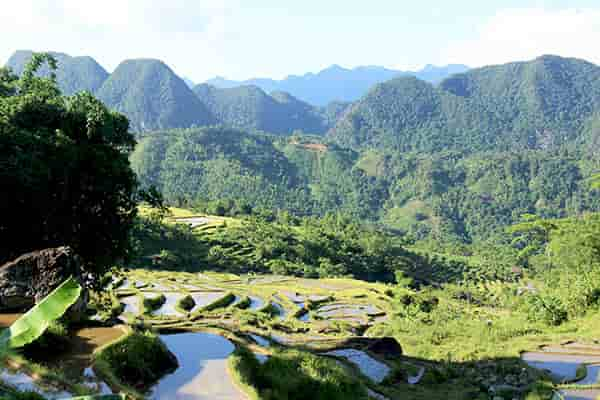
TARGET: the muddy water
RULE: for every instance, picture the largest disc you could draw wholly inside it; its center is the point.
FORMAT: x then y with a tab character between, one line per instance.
78	356
6	320
74	361
202	372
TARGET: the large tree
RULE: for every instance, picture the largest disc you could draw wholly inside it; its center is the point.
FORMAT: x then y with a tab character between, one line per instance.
65	177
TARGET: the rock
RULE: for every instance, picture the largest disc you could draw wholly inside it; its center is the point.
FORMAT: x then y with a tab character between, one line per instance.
387	347
31	277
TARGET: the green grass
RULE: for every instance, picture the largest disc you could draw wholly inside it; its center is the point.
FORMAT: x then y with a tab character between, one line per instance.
186	303
138	360
152	304
296	375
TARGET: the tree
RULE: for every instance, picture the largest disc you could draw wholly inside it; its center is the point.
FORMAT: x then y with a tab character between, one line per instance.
65	176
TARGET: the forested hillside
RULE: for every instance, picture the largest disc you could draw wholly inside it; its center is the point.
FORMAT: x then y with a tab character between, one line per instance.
74	74
446	196
150	94
248	107
541	104
196	166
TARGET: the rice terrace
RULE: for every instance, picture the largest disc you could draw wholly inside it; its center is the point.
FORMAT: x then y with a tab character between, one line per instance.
227	200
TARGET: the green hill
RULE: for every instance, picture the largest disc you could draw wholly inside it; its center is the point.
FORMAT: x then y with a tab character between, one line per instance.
150	94
302	175
250	108
74	74
540	104
447	195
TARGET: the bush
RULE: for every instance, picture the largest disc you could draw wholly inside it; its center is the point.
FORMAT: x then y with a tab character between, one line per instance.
138	360
186	303
546	308
220	303
154	303
296	375
244	303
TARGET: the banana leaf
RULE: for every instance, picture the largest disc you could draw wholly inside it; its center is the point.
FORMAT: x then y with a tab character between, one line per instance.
35	322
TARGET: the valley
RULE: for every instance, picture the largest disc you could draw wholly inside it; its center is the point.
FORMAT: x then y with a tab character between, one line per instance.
434	238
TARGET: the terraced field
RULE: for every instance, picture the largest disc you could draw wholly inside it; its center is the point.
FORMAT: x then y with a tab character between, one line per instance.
266	313
290	308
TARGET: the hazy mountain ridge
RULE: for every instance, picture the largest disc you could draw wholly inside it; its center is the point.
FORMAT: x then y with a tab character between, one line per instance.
336	83
250	108
74	74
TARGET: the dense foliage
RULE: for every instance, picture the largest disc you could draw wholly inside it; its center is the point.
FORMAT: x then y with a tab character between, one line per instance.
195	166
152	97
446	196
249	108
540	104
64	171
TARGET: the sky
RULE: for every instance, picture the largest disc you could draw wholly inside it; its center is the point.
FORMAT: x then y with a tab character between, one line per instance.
241	39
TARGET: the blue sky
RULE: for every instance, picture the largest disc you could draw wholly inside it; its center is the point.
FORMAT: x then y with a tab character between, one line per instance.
240	39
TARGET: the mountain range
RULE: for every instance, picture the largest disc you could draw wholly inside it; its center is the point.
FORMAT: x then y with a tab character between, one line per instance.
337	83
538	104
74	74
153	97
461	158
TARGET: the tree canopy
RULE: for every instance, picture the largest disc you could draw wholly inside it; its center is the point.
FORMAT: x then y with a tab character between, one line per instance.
64	170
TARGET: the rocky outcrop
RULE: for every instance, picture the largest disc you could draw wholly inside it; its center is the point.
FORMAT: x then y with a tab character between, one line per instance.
31	277
387	347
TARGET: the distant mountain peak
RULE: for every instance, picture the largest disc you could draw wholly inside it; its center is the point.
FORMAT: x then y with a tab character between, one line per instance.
336	83
74	74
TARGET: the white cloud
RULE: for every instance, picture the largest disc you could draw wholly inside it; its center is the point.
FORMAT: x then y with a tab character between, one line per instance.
179	32
239	39
523	34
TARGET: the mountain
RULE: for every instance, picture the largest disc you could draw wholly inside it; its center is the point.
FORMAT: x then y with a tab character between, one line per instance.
188	82
434	74
452	195
250	108
337	83
539	104
74	74
150	94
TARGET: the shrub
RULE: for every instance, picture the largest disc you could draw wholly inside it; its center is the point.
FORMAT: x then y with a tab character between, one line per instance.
186	303
138	360
154	303
296	375
546	308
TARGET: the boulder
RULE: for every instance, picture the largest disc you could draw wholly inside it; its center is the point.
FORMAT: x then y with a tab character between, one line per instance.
387	347
31	277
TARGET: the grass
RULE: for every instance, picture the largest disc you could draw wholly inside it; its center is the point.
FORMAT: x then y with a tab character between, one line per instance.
296	375
138	360
153	303
186	303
